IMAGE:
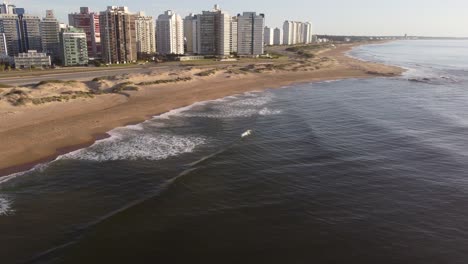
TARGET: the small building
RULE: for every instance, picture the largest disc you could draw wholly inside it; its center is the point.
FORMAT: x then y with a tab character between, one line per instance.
32	59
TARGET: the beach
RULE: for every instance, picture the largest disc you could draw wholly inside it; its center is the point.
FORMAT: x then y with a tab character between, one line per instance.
32	134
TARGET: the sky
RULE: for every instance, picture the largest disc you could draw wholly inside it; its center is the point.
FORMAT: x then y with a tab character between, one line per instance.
441	18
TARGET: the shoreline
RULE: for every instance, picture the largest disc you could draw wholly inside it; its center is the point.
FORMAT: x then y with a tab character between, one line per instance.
53	134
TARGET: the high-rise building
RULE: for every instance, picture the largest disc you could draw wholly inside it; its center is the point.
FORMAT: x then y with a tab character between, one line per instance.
269	36
296	33
214	33
89	23
7	8
170	34
50	30
250	36
74	47
307	33
234	31
29	29
9	26
278	37
118	35
145	34
190	33
3	45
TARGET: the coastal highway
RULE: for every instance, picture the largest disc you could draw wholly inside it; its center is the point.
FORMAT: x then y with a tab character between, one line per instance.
78	75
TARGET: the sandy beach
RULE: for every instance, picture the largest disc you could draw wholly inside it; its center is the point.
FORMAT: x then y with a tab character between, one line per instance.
38	132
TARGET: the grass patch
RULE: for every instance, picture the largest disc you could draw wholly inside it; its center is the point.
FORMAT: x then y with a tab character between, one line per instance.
207	73
2	85
179	79
55	82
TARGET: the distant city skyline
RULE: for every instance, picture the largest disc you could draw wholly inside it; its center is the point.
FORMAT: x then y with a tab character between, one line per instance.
334	17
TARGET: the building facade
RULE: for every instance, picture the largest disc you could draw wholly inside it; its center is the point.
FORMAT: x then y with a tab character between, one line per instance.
250	36
89	23
32	59
297	33
190	31
74	47
9	26
118	35
234	32
50	30
278	36
145	34
170	34
29	28
269	36
214	33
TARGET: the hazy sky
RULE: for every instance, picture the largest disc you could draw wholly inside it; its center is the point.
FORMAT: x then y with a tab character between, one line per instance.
348	17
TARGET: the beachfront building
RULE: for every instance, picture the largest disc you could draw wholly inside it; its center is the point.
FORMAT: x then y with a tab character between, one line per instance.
22	32
190	32
297	33
50	30
214	33
9	28
7	8
307	33
32	59
269	36
30	33
3	45
89	23
118	35
234	32
250	35
74	47
170	33
145	35
278	36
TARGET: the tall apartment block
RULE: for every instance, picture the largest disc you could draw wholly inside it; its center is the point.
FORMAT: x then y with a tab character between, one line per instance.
118	35
234	32
170	33
22	32
214	33
278	36
250	36
74	47
269	36
7	8
50	30
145	34
297	33
190	30
89	23
9	26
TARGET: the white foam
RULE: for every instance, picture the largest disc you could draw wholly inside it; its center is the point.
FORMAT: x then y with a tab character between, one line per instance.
5	206
268	112
138	146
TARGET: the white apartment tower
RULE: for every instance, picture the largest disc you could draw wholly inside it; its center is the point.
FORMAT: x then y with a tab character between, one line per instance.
214	33
170	34
269	36
297	33
278	37
145	34
234	31
50	30
250	36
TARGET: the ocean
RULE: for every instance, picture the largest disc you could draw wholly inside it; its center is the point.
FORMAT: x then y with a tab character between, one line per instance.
346	171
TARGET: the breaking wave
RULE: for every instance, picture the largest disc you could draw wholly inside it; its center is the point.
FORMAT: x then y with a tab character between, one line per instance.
133	145
5	206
